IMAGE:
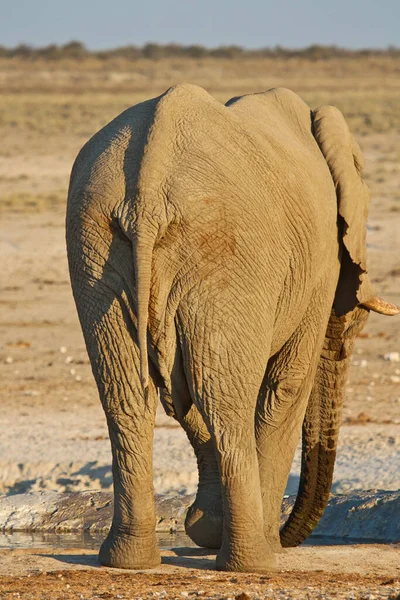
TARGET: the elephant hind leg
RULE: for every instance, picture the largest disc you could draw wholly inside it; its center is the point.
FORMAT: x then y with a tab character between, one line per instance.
110	336
244	547
227	404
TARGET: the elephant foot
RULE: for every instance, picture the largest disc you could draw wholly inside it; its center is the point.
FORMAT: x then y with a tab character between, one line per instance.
262	561
204	519
124	551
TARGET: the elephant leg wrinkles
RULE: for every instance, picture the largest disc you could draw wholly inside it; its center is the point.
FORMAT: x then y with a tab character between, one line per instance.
110	338
227	403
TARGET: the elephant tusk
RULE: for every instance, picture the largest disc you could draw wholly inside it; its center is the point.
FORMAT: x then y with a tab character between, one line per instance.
381	306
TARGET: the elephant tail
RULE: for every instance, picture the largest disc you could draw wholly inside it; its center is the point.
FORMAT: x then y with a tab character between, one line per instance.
143	245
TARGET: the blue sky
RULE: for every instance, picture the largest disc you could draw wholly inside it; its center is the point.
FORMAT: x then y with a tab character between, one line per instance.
249	23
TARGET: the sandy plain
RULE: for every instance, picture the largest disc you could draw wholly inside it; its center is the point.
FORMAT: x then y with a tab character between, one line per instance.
53	430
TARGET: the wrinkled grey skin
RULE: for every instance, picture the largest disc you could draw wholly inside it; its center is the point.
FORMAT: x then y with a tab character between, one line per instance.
207	246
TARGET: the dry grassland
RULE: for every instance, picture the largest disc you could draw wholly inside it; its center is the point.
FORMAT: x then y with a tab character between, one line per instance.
49	109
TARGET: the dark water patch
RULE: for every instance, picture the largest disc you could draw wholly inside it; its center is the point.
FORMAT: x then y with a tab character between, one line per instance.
166	541
86	540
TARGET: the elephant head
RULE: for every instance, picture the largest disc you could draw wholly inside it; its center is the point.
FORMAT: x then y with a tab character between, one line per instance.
354	299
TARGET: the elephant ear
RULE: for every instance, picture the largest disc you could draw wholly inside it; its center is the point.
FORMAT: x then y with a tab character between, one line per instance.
346	163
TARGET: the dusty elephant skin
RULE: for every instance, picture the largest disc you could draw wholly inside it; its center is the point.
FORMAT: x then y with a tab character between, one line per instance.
217	254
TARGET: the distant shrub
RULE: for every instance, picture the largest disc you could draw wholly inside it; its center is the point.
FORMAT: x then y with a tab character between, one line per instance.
74	50
196	51
51	52
227	52
153	51
22	51
130	52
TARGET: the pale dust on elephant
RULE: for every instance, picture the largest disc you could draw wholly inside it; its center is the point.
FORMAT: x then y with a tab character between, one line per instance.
218	259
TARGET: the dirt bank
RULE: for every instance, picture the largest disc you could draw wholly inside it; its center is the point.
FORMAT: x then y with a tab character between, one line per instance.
350	572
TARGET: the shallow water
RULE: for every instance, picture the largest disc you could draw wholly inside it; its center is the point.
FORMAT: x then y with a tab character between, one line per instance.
89	541
166	541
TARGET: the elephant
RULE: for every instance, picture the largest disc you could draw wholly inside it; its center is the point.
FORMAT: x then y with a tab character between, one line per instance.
217	257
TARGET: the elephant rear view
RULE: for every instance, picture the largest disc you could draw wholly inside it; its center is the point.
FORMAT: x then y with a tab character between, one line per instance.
217	259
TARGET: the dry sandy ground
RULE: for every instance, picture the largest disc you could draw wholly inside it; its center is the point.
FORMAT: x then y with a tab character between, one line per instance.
340	572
